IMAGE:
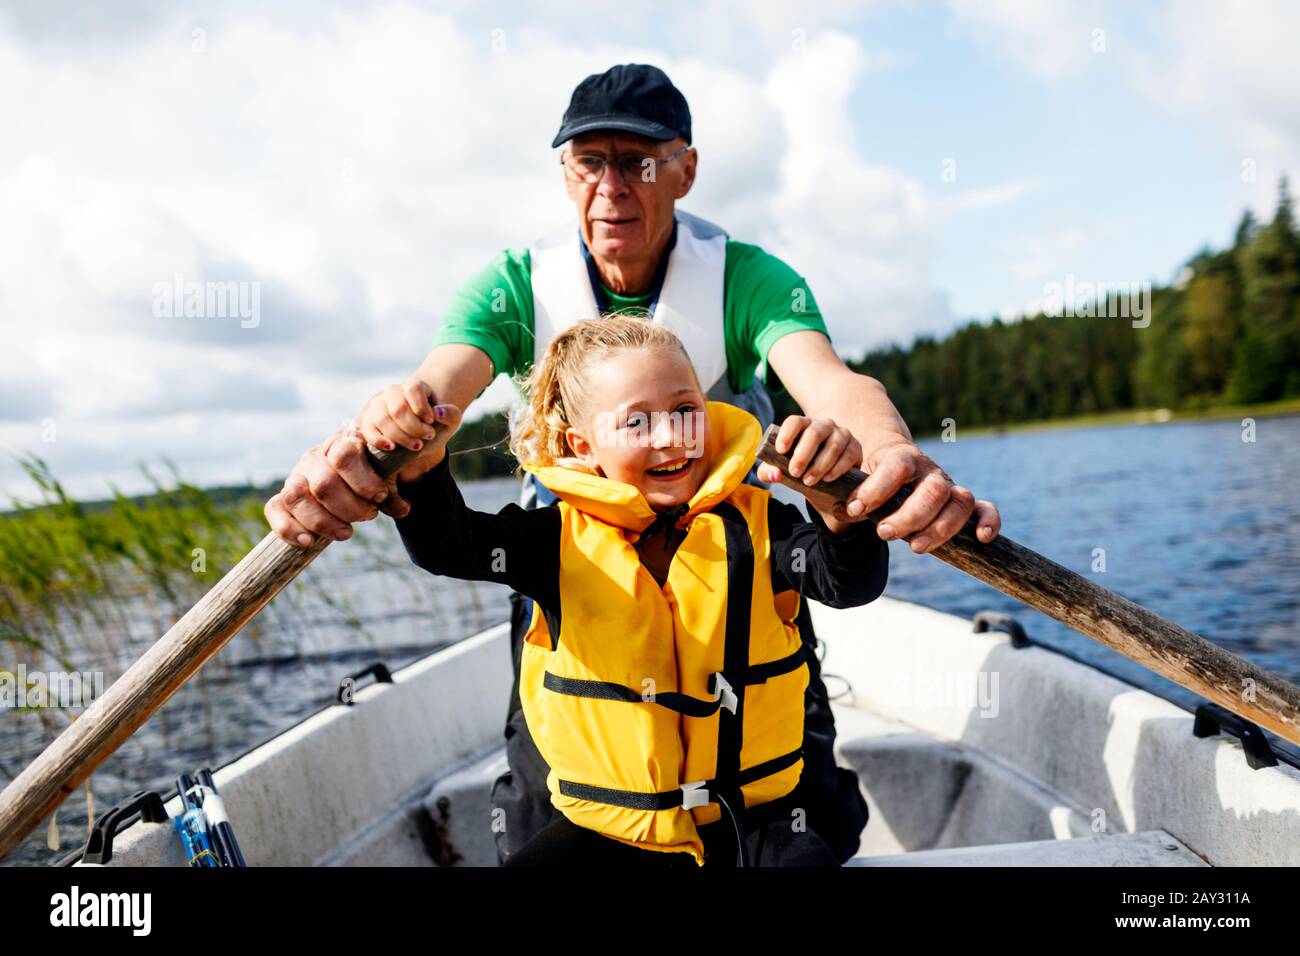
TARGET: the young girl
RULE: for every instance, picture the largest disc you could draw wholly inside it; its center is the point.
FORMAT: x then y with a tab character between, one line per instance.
662	676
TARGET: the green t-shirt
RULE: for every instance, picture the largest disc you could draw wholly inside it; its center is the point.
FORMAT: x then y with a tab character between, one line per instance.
762	298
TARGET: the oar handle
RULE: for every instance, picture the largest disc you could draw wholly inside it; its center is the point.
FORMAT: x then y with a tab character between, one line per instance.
1125	627
388	463
148	683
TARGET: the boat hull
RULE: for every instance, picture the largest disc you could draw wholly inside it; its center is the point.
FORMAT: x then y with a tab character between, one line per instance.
970	752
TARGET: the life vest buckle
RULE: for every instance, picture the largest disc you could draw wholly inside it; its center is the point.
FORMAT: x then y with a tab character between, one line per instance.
694	795
722	691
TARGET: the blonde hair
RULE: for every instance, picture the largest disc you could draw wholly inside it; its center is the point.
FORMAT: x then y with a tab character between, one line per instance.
555	389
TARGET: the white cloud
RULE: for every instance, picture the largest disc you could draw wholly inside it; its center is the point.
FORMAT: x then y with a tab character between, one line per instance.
338	164
1234	65
1048	256
358	164
1052	38
860	232
989	197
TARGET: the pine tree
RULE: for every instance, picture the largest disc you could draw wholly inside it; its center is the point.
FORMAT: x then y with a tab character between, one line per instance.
1246	230
1270	346
1210	336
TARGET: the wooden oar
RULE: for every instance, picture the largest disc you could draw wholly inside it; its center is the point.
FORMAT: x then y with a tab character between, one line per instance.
134	697
1135	632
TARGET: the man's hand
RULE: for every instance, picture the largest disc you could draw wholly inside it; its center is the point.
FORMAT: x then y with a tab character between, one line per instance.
936	509
333	484
823	386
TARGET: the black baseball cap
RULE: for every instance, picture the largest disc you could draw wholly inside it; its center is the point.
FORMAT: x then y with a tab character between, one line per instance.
631	97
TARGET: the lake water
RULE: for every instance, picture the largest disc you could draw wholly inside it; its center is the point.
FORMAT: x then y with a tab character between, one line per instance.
1191	521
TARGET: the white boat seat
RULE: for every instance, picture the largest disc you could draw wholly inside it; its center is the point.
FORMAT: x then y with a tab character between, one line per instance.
460	807
1148	848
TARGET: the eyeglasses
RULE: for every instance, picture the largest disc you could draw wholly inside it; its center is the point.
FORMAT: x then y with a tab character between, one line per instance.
589	168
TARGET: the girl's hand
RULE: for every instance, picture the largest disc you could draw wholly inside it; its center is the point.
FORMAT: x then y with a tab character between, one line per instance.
399	415
822	451
447	419
446	422
819	450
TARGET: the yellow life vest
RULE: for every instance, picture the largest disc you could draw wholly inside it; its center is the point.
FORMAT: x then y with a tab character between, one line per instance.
654	705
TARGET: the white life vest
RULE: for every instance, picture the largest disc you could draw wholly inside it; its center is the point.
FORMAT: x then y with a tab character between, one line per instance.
689	304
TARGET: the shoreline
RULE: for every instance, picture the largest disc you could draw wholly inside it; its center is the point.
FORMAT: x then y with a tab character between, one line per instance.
234	494
1136	416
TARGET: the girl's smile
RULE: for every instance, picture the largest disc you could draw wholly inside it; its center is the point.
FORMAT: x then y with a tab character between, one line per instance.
678	469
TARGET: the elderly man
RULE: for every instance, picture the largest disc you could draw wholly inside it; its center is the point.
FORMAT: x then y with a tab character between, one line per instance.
741	313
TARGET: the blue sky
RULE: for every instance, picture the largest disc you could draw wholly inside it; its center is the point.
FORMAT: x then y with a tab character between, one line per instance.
357	161
1143	187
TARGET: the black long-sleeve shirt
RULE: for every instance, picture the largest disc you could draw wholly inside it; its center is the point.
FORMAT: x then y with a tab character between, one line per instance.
520	547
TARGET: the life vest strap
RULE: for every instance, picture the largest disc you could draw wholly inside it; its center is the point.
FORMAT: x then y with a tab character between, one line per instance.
761	673
683	704
607	690
693	794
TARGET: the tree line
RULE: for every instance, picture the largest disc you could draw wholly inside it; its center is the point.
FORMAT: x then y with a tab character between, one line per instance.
1227	332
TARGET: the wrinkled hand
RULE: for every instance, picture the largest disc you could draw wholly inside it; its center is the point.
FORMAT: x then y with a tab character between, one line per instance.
334	485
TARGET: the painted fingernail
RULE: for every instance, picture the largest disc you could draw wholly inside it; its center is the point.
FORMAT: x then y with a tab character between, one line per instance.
920	544
886	531
440	411
417	445
387	446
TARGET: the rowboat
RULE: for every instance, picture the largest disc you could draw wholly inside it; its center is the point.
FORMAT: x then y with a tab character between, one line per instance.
974	746
971	749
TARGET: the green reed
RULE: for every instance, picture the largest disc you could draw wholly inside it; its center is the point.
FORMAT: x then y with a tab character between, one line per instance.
87	585
84	583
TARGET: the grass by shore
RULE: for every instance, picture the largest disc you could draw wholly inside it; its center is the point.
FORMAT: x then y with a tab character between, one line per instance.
1140	416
